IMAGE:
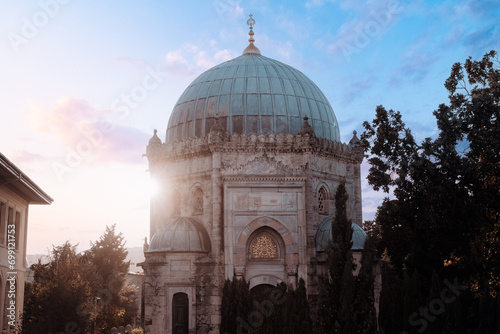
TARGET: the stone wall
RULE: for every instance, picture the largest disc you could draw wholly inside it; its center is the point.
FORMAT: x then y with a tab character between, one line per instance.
251	184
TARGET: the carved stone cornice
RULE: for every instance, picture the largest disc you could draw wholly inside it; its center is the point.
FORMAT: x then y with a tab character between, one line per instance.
264	179
254	144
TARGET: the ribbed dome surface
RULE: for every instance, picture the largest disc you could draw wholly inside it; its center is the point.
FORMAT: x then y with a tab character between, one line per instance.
251	94
181	234
324	235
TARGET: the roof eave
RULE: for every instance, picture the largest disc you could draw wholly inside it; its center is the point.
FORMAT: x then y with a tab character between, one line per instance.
20	183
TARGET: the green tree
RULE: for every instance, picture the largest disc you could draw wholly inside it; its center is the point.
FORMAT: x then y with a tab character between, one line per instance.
443	216
296	317
365	321
391	315
117	304
335	313
236	306
61	298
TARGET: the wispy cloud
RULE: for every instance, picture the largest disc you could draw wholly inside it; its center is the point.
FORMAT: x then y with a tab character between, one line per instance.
417	61
315	3
370	20
358	87
86	130
477	9
25	157
190	60
481	40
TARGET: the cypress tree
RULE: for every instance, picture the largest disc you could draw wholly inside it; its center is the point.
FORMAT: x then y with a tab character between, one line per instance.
296	315
412	299
391	315
453	322
236	306
304	323
366	319
435	305
486	312
335	313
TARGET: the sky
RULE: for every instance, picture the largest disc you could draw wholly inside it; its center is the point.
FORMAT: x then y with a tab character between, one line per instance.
83	85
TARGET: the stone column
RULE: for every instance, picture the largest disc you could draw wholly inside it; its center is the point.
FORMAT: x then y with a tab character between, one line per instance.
217	246
291	271
239	271
358	208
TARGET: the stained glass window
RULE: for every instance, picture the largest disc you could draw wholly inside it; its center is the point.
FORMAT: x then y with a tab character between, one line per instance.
264	247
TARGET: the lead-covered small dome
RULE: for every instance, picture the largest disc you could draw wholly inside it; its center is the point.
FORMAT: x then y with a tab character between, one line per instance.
181	234
251	94
324	235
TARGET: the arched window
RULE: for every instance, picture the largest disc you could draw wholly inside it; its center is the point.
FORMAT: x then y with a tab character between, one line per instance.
180	313
176	203
322	201
198	200
264	247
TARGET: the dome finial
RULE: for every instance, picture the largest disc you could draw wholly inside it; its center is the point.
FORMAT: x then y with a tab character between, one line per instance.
251	22
155	140
251	48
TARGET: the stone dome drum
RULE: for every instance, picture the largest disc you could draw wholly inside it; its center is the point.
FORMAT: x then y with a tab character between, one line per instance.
181	234
251	94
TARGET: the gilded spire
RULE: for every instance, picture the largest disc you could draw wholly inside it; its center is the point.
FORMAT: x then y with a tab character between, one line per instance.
251	48
251	22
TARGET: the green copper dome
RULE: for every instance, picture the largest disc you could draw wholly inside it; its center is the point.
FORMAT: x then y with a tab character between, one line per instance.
251	94
324	235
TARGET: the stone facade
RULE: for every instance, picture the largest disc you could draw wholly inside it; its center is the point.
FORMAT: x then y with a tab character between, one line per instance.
260	199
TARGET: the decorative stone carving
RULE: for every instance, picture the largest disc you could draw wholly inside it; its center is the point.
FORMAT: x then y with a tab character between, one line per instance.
239	143
262	165
264	247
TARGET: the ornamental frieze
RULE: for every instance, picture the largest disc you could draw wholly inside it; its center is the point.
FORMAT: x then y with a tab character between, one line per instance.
242	143
261	165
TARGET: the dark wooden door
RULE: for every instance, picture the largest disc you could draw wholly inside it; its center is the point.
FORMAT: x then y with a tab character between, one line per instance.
180	312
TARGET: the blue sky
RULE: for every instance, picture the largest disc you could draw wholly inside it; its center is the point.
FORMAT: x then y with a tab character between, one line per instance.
83	84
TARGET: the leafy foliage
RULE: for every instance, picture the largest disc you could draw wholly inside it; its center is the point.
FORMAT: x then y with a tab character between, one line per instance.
365	315
61	297
81	292
445	196
117	302
296	317
267	310
443	218
236	305
346	302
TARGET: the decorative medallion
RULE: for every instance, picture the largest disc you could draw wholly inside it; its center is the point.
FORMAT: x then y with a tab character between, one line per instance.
264	247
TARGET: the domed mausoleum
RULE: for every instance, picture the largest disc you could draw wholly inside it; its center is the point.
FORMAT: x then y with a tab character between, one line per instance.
248	170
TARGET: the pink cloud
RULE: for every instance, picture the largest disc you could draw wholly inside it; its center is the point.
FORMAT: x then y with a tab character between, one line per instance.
84	129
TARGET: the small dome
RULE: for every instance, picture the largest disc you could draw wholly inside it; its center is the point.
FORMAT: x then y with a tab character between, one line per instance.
251	94
181	234
324	235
